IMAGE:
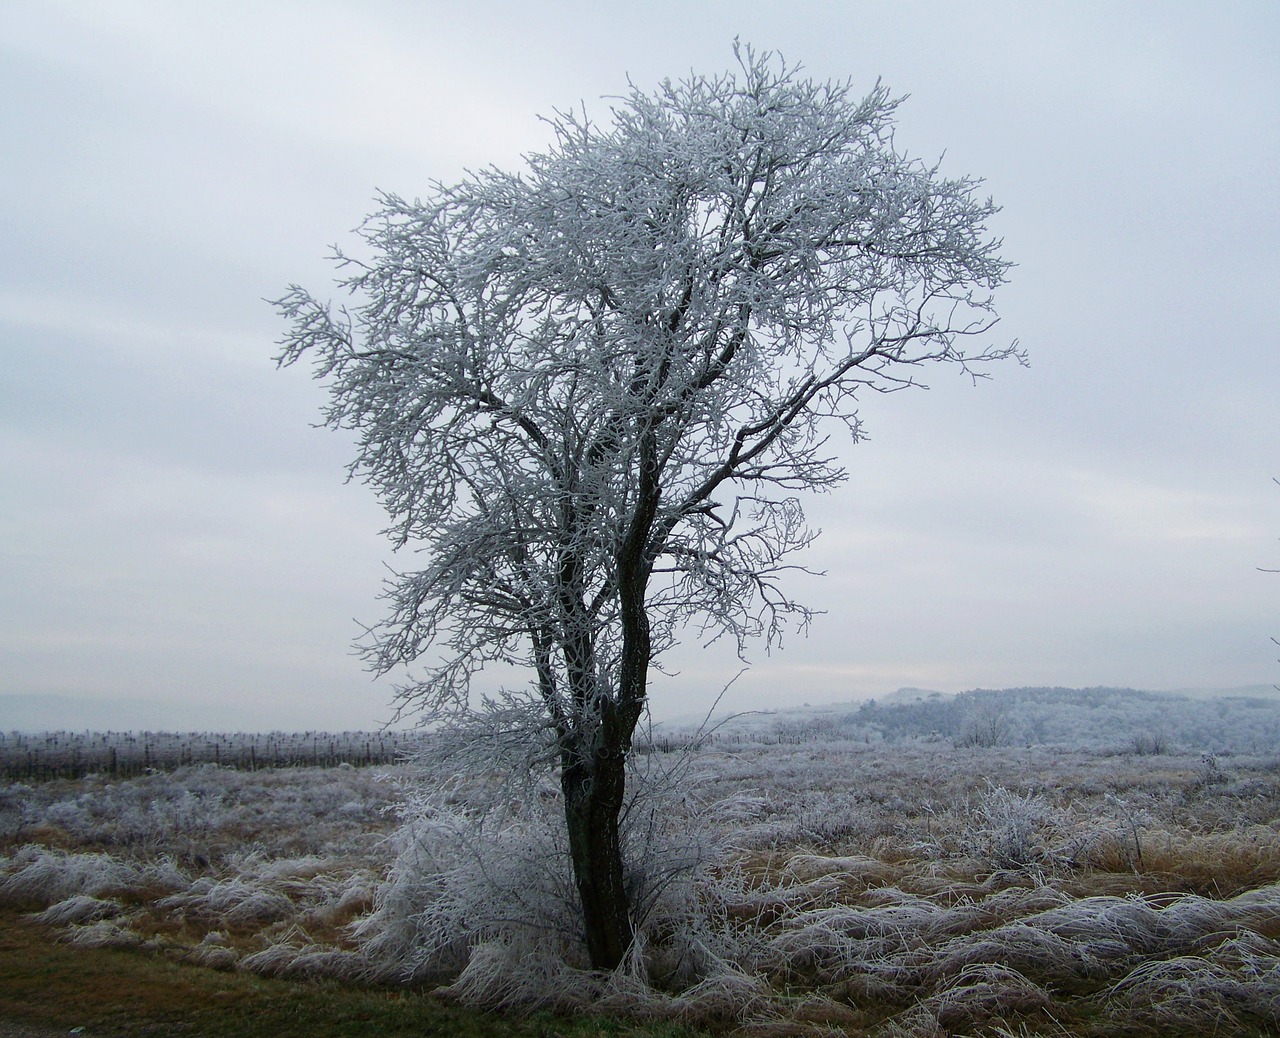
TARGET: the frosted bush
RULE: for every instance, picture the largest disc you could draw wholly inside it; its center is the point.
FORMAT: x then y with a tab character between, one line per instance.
1012	830
1210	773
459	879
671	834
482	880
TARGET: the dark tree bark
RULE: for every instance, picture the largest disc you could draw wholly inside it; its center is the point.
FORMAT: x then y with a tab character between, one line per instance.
593	795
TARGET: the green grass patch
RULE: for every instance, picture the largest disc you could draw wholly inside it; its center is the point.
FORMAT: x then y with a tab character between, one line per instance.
121	992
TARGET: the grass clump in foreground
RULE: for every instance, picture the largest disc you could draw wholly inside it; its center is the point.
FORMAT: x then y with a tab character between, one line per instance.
113	992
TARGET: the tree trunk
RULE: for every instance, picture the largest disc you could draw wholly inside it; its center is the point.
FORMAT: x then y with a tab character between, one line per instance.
593	792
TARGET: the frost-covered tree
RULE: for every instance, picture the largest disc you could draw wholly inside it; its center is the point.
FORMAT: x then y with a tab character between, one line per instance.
587	393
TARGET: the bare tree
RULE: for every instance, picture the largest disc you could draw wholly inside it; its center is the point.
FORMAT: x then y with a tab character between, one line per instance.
587	393
988	720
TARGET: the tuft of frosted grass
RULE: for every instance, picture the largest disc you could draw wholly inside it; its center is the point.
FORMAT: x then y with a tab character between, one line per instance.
1185	990
726	993
310	961
983	991
511	973
273	961
1239	975
338	901
213	957
1024	946
213	952
839	937
79	908
262	891
848	869
521	971
234	901
47	876
105	933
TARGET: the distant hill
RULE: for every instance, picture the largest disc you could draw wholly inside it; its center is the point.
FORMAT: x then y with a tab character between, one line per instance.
1245	719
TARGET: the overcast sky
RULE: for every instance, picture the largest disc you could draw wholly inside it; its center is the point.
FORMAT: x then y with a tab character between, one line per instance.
174	533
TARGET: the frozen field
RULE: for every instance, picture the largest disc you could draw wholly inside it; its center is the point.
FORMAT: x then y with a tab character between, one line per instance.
916	888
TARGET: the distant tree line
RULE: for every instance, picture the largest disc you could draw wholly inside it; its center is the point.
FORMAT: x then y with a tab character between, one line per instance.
69	755
1105	719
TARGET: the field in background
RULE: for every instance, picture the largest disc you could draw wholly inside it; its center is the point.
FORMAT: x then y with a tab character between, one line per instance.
899	884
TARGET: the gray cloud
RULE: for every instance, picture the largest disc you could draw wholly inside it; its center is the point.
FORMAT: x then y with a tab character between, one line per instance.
175	533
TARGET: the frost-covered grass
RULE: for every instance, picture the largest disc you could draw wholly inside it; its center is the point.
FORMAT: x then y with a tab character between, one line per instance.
895	890
175	861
